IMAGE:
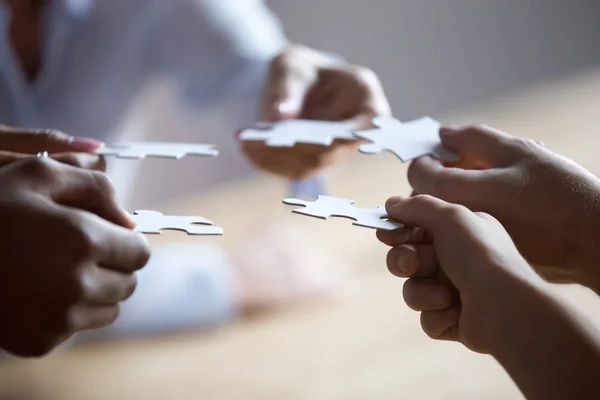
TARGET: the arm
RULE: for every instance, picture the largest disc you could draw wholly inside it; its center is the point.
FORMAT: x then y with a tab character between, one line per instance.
549	350
471	285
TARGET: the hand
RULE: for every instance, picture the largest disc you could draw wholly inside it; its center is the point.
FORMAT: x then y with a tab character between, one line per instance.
307	84
67	254
459	273
17	144
548	204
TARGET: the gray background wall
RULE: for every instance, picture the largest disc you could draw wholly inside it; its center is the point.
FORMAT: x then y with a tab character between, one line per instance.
435	55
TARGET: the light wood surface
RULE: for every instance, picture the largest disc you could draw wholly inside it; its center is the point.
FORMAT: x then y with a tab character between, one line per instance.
365	345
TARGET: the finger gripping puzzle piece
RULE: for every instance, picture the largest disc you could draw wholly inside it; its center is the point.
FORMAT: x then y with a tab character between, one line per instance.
327	206
407	141
153	222
291	132
159	149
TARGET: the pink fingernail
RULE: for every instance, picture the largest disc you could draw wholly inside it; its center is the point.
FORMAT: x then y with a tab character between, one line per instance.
85	144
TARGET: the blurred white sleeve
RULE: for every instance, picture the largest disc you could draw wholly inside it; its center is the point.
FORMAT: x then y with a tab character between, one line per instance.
212	48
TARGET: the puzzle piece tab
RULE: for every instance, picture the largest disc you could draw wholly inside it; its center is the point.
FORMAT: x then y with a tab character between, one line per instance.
153	222
289	133
141	150
407	141
327	206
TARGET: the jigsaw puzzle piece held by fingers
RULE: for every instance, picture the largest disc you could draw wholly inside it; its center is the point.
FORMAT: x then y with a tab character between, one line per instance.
142	150
327	206
153	222
407	141
291	132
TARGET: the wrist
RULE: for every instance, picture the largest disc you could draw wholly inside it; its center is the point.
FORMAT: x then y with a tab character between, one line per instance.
584	258
511	309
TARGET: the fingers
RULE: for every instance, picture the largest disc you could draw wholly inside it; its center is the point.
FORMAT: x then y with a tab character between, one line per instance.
456	185
406	235
417	261
35	141
86	190
92	162
441	324
79	160
427	294
86	317
106	287
115	248
481	145
346	92
291	74
423	211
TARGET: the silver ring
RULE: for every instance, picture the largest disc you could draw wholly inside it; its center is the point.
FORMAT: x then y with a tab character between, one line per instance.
42	154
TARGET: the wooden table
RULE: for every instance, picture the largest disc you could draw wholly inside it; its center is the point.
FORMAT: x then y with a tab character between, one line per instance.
366	345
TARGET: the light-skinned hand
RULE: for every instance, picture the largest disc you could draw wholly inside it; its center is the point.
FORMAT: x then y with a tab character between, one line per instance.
306	84
549	204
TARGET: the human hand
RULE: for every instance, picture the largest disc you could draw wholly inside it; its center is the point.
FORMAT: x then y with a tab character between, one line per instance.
549	205
460	271
67	254
18	144
306	84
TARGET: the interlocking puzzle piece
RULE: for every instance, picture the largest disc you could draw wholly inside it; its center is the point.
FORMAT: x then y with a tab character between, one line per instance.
327	206
141	150
290	132
407	141
153	222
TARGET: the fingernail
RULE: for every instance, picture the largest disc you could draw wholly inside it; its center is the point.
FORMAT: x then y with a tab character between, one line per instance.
405	263
85	144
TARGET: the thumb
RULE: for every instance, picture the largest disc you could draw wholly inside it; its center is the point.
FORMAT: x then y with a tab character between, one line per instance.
471	188
286	98
31	141
291	75
480	147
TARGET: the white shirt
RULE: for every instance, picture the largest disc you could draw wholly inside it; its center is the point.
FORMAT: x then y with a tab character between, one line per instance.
98	56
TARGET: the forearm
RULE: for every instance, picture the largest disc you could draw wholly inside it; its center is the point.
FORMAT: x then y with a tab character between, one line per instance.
548	349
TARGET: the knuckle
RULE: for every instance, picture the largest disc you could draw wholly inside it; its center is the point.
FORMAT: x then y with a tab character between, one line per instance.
408	293
81	237
39	168
143	252
113	314
423	199
130	287
454	212
49	136
525	145
429	326
476	130
72	160
103	183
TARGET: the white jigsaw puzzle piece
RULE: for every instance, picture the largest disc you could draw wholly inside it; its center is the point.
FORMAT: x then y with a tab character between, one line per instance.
407	141
327	206
141	150
153	222
290	132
